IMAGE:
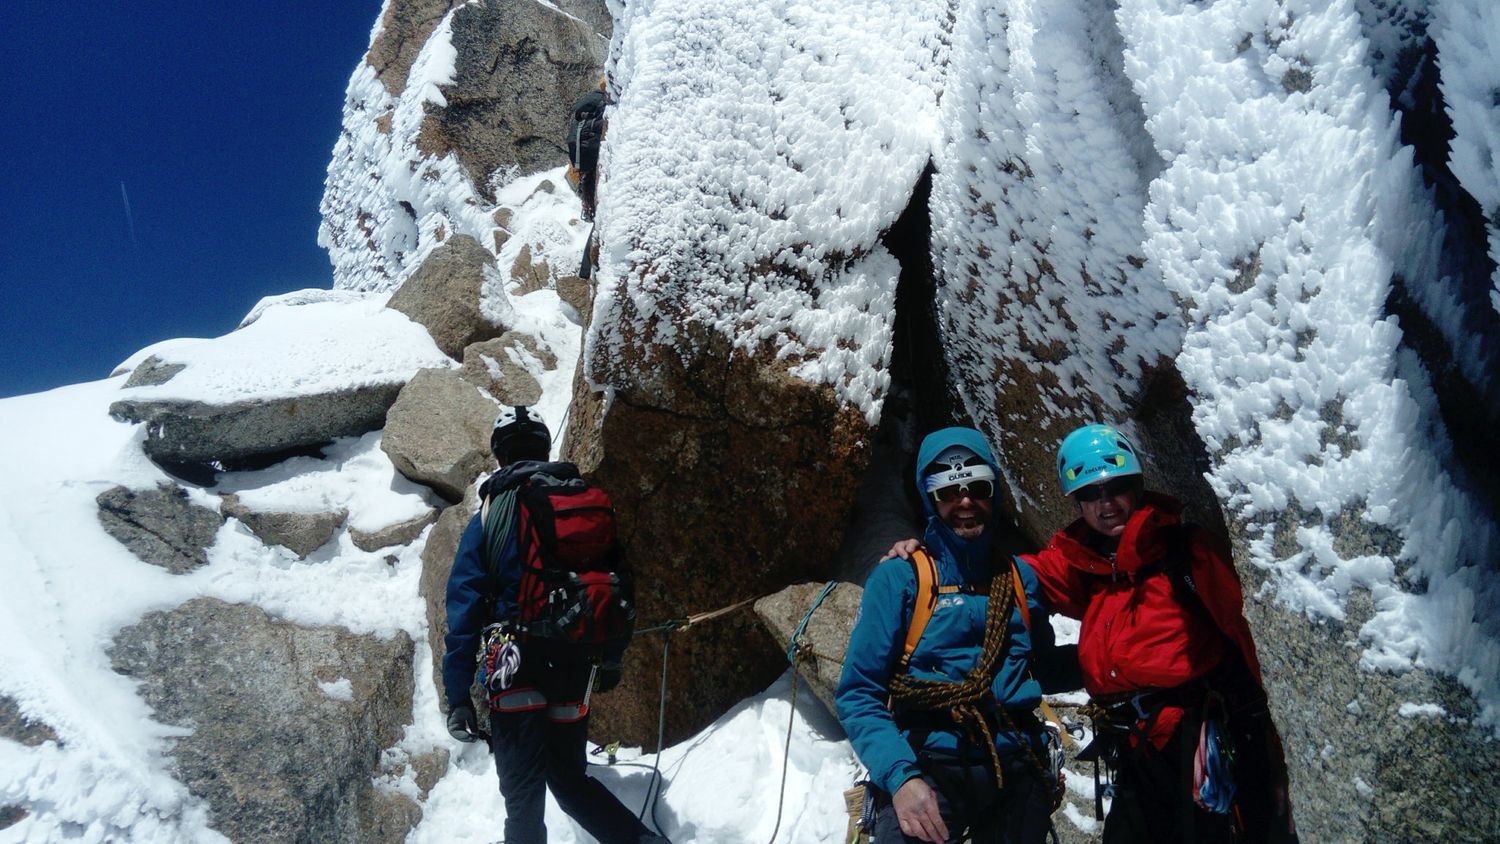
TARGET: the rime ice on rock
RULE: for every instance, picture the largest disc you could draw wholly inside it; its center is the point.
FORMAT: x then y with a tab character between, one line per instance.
748	184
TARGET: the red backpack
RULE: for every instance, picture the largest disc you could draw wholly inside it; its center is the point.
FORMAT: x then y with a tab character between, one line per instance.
575	586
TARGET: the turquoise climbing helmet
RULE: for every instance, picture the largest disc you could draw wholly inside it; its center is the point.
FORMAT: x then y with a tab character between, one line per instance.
1093	453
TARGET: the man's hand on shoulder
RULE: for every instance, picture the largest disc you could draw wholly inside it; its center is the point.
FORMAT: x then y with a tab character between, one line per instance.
903	548
917	809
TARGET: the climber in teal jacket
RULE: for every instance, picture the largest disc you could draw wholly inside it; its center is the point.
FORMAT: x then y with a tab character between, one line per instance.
932	774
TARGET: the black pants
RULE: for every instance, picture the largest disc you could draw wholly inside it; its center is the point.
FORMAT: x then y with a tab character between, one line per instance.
970	801
534	753
1153	794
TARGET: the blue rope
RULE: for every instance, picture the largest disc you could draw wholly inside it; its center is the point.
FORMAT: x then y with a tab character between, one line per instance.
791	649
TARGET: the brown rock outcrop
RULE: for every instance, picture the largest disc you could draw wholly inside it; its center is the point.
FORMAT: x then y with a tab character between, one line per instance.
721	480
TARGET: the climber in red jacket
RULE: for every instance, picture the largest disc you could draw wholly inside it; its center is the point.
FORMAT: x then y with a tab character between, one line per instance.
1167	657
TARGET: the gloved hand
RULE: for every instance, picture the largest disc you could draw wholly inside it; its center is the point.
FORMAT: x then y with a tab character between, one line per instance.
462	723
608	676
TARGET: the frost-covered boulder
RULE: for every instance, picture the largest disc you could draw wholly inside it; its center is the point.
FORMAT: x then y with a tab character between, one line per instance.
298	532
452	102
443	295
291	381
19	727
285	724
438	432
745	308
161	526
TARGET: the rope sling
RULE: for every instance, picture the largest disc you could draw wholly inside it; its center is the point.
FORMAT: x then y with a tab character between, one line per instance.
962	699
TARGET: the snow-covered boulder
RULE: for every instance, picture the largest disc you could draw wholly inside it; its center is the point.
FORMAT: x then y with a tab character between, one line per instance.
438	432
299	532
402	532
249	688
160	526
443	295
746	304
291	381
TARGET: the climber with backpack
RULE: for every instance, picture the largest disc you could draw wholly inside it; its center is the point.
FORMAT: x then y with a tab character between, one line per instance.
540	610
585	136
941	676
1179	713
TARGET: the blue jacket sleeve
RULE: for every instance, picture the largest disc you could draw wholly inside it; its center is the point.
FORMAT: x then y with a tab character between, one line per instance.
884	613
470	607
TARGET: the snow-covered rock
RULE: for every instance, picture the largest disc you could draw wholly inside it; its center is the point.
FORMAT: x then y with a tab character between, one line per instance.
247	687
453	101
299	532
292	380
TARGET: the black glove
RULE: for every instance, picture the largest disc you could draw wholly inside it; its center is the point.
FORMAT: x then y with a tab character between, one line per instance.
608	676
462	724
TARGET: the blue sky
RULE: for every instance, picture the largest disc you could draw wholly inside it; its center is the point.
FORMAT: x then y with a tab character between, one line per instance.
219	120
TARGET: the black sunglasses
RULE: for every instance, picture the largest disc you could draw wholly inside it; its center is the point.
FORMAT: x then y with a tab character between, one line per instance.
976	490
1111	488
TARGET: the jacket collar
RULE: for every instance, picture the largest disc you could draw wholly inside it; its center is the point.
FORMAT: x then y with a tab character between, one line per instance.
1143	541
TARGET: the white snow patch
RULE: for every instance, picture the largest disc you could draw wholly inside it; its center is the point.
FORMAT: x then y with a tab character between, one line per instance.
340	689
300	350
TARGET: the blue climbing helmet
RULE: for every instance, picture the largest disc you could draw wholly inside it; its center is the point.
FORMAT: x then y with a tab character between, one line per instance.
1093	453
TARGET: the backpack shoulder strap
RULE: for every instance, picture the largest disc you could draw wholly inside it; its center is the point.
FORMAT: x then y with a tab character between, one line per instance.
1177	565
1015	579
928	590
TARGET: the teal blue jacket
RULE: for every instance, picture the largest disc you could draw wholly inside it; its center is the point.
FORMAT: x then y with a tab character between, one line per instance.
949	647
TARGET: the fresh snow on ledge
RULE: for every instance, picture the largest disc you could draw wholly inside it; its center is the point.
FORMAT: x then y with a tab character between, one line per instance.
299	350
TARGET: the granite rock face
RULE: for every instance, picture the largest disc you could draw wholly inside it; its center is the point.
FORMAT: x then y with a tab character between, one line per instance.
160	526
725	421
287	722
437	563
438	433
443	295
518	66
254	432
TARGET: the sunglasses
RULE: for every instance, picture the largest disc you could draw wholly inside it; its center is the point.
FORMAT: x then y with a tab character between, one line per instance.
1111	488
975	490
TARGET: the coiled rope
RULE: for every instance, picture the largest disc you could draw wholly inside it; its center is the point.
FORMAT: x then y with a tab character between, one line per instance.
962	698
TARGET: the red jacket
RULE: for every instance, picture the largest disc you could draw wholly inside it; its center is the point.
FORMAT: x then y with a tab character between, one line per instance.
1136	635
